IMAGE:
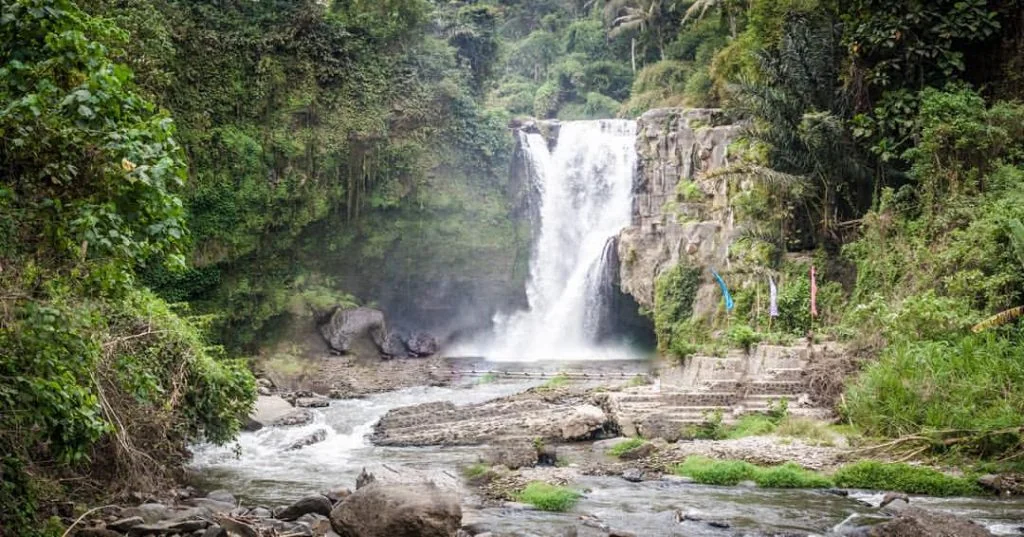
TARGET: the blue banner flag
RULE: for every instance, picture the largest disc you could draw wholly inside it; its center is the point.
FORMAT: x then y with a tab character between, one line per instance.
729	304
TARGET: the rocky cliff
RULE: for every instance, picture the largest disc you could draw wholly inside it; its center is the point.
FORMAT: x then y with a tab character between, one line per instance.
679	214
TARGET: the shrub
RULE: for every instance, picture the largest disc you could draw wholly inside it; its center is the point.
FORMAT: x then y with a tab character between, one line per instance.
752	425
674	293
622	448
790	476
742	336
547	497
903	478
713	472
963	385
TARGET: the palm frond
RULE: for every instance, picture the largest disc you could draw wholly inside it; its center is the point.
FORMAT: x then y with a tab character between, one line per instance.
698	10
1002	318
759	173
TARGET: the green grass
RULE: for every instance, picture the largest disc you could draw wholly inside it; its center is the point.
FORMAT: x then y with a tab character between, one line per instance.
622	448
751	425
813	431
547	497
870	475
488	378
904	478
475	471
638	380
554	383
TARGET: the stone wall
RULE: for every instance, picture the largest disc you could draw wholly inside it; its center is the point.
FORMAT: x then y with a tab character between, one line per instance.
673	223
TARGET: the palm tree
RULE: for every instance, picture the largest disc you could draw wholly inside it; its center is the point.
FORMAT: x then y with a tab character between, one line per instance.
641	16
730	8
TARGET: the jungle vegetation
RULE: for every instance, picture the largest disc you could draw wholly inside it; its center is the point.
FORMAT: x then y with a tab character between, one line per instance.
181	178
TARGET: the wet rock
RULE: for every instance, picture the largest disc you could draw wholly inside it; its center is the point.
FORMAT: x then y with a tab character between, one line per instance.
169	527
603	446
150	512
916	522
97	532
621	533
298	416
263	391
126	524
395	346
582	422
337	495
422	344
317	504
720	524
513	455
209	506
260	512
215	531
267	410
353	329
633	475
838	492
313	402
1004	485
386	475
547	455
223	496
893	496
411	510
264	382
318	524
313	438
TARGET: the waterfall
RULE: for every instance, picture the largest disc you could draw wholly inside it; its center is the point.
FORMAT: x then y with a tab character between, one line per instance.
583	196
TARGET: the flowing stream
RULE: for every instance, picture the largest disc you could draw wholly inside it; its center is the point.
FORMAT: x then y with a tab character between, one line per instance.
262	471
582	197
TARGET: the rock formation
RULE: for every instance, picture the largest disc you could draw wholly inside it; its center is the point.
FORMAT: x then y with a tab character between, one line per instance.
679	215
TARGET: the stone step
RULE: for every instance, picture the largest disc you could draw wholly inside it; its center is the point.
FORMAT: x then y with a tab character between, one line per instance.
681	398
794	374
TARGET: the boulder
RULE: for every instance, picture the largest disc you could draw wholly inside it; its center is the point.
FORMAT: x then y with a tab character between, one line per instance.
916	522
633	475
349	330
318	525
1004	485
126	524
316	504
422	344
223	496
267	410
582	422
398	510
298	416
513	455
394	346
313	438
388	475
547	455
312	402
660	426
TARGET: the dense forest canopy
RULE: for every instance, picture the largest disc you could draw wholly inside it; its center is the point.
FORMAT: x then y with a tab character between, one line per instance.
183	179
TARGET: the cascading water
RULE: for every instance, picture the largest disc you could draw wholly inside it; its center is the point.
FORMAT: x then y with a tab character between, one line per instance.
584	192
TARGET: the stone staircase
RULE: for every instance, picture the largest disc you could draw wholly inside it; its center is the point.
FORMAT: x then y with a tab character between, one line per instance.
736	384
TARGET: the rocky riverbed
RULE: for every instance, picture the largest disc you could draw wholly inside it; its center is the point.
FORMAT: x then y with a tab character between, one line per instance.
526	427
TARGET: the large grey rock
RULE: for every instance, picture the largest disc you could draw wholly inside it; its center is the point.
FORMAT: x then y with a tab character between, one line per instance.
394	346
916	522
660	426
351	330
268	409
311	504
402	510
298	416
385	474
422	344
315	437
222	496
513	455
581	422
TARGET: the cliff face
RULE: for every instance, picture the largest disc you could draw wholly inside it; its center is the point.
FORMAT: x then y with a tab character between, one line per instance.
679	215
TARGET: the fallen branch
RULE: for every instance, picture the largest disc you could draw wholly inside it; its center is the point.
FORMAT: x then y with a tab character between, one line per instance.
85	514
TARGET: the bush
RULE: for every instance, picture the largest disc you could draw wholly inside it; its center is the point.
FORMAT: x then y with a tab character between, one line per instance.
622	448
963	385
790	476
752	425
903	478
554	383
742	336
674	293
713	472
547	497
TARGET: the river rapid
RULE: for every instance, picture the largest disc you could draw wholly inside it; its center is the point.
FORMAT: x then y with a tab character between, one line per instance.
259	470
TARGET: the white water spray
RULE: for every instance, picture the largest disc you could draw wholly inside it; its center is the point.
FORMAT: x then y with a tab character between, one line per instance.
585	196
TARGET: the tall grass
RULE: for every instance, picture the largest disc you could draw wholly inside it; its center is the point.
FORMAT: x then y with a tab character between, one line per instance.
970	384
